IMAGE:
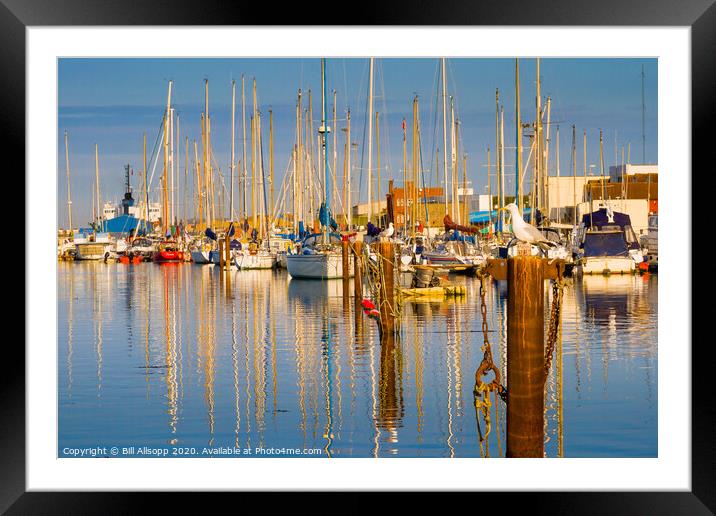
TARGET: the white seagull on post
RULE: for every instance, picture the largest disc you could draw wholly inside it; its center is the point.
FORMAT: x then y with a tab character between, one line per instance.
387	232
526	232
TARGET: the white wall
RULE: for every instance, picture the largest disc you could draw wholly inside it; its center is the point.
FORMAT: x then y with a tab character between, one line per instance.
637	209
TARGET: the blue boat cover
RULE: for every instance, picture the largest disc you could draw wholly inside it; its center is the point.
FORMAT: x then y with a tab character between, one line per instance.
325	217
600	218
605	243
372	229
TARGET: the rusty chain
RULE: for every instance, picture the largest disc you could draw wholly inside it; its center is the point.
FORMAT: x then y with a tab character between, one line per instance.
487	364
555	318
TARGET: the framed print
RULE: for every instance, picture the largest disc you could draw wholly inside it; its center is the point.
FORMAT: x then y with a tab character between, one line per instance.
371	257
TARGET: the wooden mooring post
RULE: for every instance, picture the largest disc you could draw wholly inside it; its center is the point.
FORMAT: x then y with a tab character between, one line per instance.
386	293
525	357
358	274
525	275
227	250
358	287
220	244
345	255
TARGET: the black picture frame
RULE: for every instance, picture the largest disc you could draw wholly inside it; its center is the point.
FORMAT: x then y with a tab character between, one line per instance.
700	15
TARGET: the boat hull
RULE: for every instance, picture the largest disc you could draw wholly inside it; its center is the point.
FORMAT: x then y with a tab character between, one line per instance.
168	256
608	265
92	251
255	261
200	257
317	266
281	259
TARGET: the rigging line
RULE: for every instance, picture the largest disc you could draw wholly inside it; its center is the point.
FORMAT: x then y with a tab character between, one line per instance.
160	133
422	172
345	85
434	115
386	133
363	146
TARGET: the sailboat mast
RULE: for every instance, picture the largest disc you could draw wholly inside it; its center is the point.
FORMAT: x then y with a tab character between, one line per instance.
252	127
377	155
601	165
453	159
559	217
175	182
324	130
348	168
370	139
254	156
489	189
198	186
574	174
405	179
96	173
518	138
146	184
207	164
243	163
165	204
261	199
502	158
414	190
67	170
295	192
300	191
464	215
538	139
186	178
270	208
445	168
233	137
545	169
643	115
498	183
334	172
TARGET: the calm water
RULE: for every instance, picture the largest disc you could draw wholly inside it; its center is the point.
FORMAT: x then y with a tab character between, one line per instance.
169	358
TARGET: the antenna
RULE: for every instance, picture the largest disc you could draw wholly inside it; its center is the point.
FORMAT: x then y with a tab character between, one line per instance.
643	111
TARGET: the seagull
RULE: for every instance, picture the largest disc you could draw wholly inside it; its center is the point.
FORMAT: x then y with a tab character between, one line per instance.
387	232
526	232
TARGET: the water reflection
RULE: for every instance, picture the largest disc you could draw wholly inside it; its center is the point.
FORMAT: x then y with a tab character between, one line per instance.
194	356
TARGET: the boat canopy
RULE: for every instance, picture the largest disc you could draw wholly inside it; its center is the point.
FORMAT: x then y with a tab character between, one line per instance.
605	243
600	218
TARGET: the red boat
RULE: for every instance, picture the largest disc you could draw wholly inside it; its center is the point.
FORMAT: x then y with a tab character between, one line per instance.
167	253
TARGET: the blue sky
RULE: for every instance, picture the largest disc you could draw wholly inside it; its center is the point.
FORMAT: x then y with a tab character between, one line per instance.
113	102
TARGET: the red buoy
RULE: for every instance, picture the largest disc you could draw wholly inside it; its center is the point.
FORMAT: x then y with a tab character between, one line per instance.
367	304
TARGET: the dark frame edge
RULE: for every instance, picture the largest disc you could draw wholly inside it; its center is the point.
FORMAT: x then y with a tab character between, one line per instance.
12	379
702	498
703	112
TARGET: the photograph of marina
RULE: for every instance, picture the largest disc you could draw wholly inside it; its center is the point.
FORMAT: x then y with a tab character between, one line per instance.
357	257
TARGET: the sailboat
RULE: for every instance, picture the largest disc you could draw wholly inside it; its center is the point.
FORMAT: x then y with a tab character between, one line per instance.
453	250
167	250
319	257
257	254
96	246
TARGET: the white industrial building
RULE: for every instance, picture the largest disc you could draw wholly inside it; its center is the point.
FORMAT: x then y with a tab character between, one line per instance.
565	192
616	173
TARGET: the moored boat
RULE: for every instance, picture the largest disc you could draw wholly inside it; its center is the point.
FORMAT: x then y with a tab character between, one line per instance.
168	252
607	244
